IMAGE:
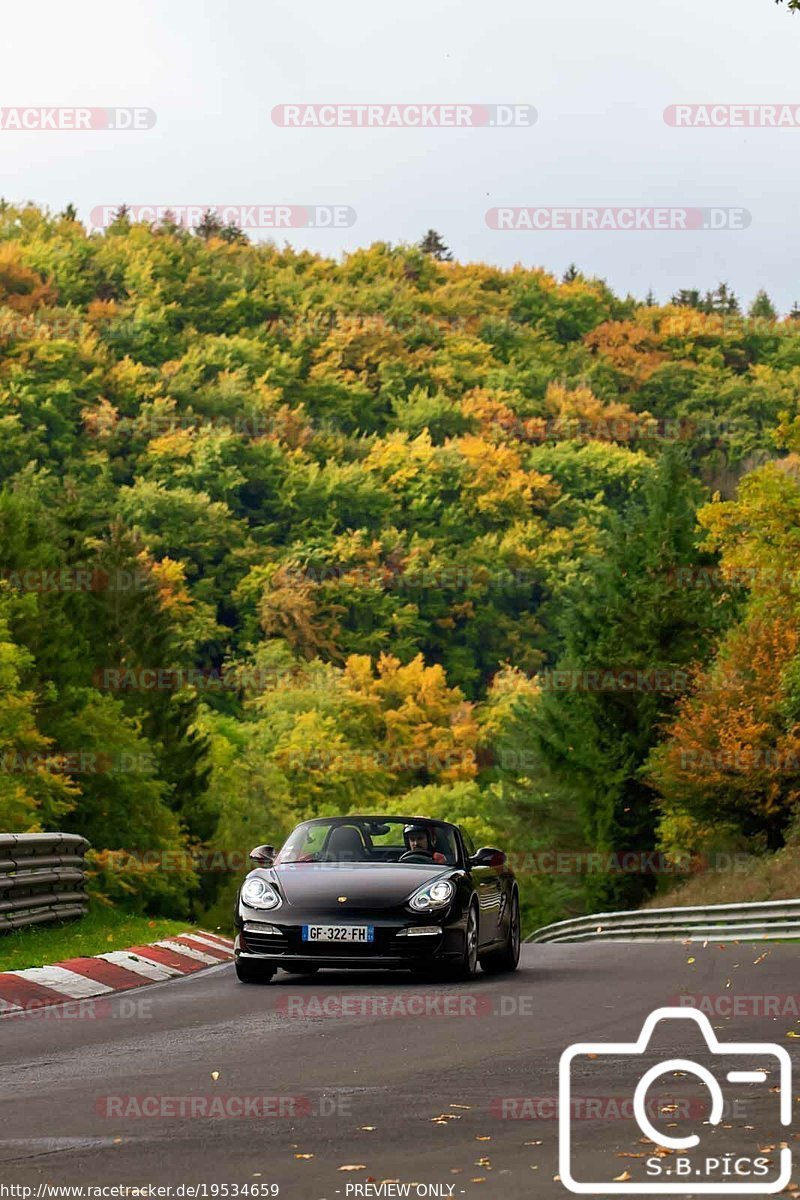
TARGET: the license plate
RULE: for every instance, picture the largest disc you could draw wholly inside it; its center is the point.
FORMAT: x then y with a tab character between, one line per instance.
338	933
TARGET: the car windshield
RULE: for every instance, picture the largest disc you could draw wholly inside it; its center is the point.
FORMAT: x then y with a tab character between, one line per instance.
371	840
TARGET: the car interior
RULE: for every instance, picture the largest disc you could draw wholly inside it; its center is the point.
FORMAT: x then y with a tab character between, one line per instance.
378	842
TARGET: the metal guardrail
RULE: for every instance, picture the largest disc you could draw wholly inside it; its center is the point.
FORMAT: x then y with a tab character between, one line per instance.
42	878
768	921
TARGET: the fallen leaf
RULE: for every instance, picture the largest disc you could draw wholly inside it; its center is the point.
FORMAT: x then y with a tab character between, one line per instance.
482	1137
215	1075
623	1178
353	1167
304	1156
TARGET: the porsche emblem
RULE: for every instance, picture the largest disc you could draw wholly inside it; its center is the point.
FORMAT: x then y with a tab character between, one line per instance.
342	899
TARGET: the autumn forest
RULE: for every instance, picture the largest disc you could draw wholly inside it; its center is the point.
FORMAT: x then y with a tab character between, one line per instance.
283	535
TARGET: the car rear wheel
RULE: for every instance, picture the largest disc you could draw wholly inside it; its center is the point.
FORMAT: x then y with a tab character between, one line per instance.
507	957
247	972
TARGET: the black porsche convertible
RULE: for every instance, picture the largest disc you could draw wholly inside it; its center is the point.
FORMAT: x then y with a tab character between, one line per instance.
354	892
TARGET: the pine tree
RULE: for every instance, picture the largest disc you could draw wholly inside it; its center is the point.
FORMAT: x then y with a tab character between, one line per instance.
433	244
763	307
630	631
721	300
571	274
687	298
650	299
121	219
212	226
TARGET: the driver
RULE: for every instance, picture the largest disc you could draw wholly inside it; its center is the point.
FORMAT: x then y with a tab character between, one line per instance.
419	839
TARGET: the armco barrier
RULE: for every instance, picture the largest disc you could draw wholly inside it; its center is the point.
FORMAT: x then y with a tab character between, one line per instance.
42	878
769	921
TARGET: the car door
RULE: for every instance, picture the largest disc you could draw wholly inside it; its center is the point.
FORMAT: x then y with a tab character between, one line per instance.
490	894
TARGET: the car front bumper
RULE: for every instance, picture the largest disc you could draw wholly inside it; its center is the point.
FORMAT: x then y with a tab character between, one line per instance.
280	944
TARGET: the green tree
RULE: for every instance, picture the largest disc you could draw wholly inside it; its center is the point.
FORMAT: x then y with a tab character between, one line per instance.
617	678
763	307
687	298
433	244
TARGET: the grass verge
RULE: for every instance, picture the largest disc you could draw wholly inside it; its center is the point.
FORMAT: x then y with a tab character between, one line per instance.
102	930
746	880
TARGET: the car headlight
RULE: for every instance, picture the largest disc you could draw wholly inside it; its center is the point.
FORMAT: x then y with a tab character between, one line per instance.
257	893
433	896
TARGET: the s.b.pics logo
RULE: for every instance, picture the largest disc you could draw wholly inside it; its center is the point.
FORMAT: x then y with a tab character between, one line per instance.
681	1161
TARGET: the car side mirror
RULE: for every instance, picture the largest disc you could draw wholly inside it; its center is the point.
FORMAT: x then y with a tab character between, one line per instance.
488	856
263	855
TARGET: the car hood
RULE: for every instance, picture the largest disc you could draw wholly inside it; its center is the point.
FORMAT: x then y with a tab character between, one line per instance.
319	885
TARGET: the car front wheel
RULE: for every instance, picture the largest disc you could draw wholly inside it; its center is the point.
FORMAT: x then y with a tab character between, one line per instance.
468	964
247	972
507	957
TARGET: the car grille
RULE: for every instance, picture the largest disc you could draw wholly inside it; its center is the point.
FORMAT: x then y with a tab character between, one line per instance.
260	942
385	943
290	941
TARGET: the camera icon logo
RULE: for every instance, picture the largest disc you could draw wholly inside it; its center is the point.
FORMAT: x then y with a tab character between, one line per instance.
695	1173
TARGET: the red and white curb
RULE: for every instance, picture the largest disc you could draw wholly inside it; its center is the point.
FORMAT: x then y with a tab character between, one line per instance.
116	971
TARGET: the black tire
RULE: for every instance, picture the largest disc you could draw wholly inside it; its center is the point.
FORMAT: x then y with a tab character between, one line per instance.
247	972
507	957
467	967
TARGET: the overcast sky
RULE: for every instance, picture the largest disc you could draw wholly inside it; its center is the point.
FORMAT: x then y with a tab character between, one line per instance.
599	75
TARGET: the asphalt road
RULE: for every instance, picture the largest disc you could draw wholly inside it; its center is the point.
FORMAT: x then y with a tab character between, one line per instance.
352	1071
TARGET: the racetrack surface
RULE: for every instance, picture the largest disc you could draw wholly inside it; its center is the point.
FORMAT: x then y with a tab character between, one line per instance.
484	1046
